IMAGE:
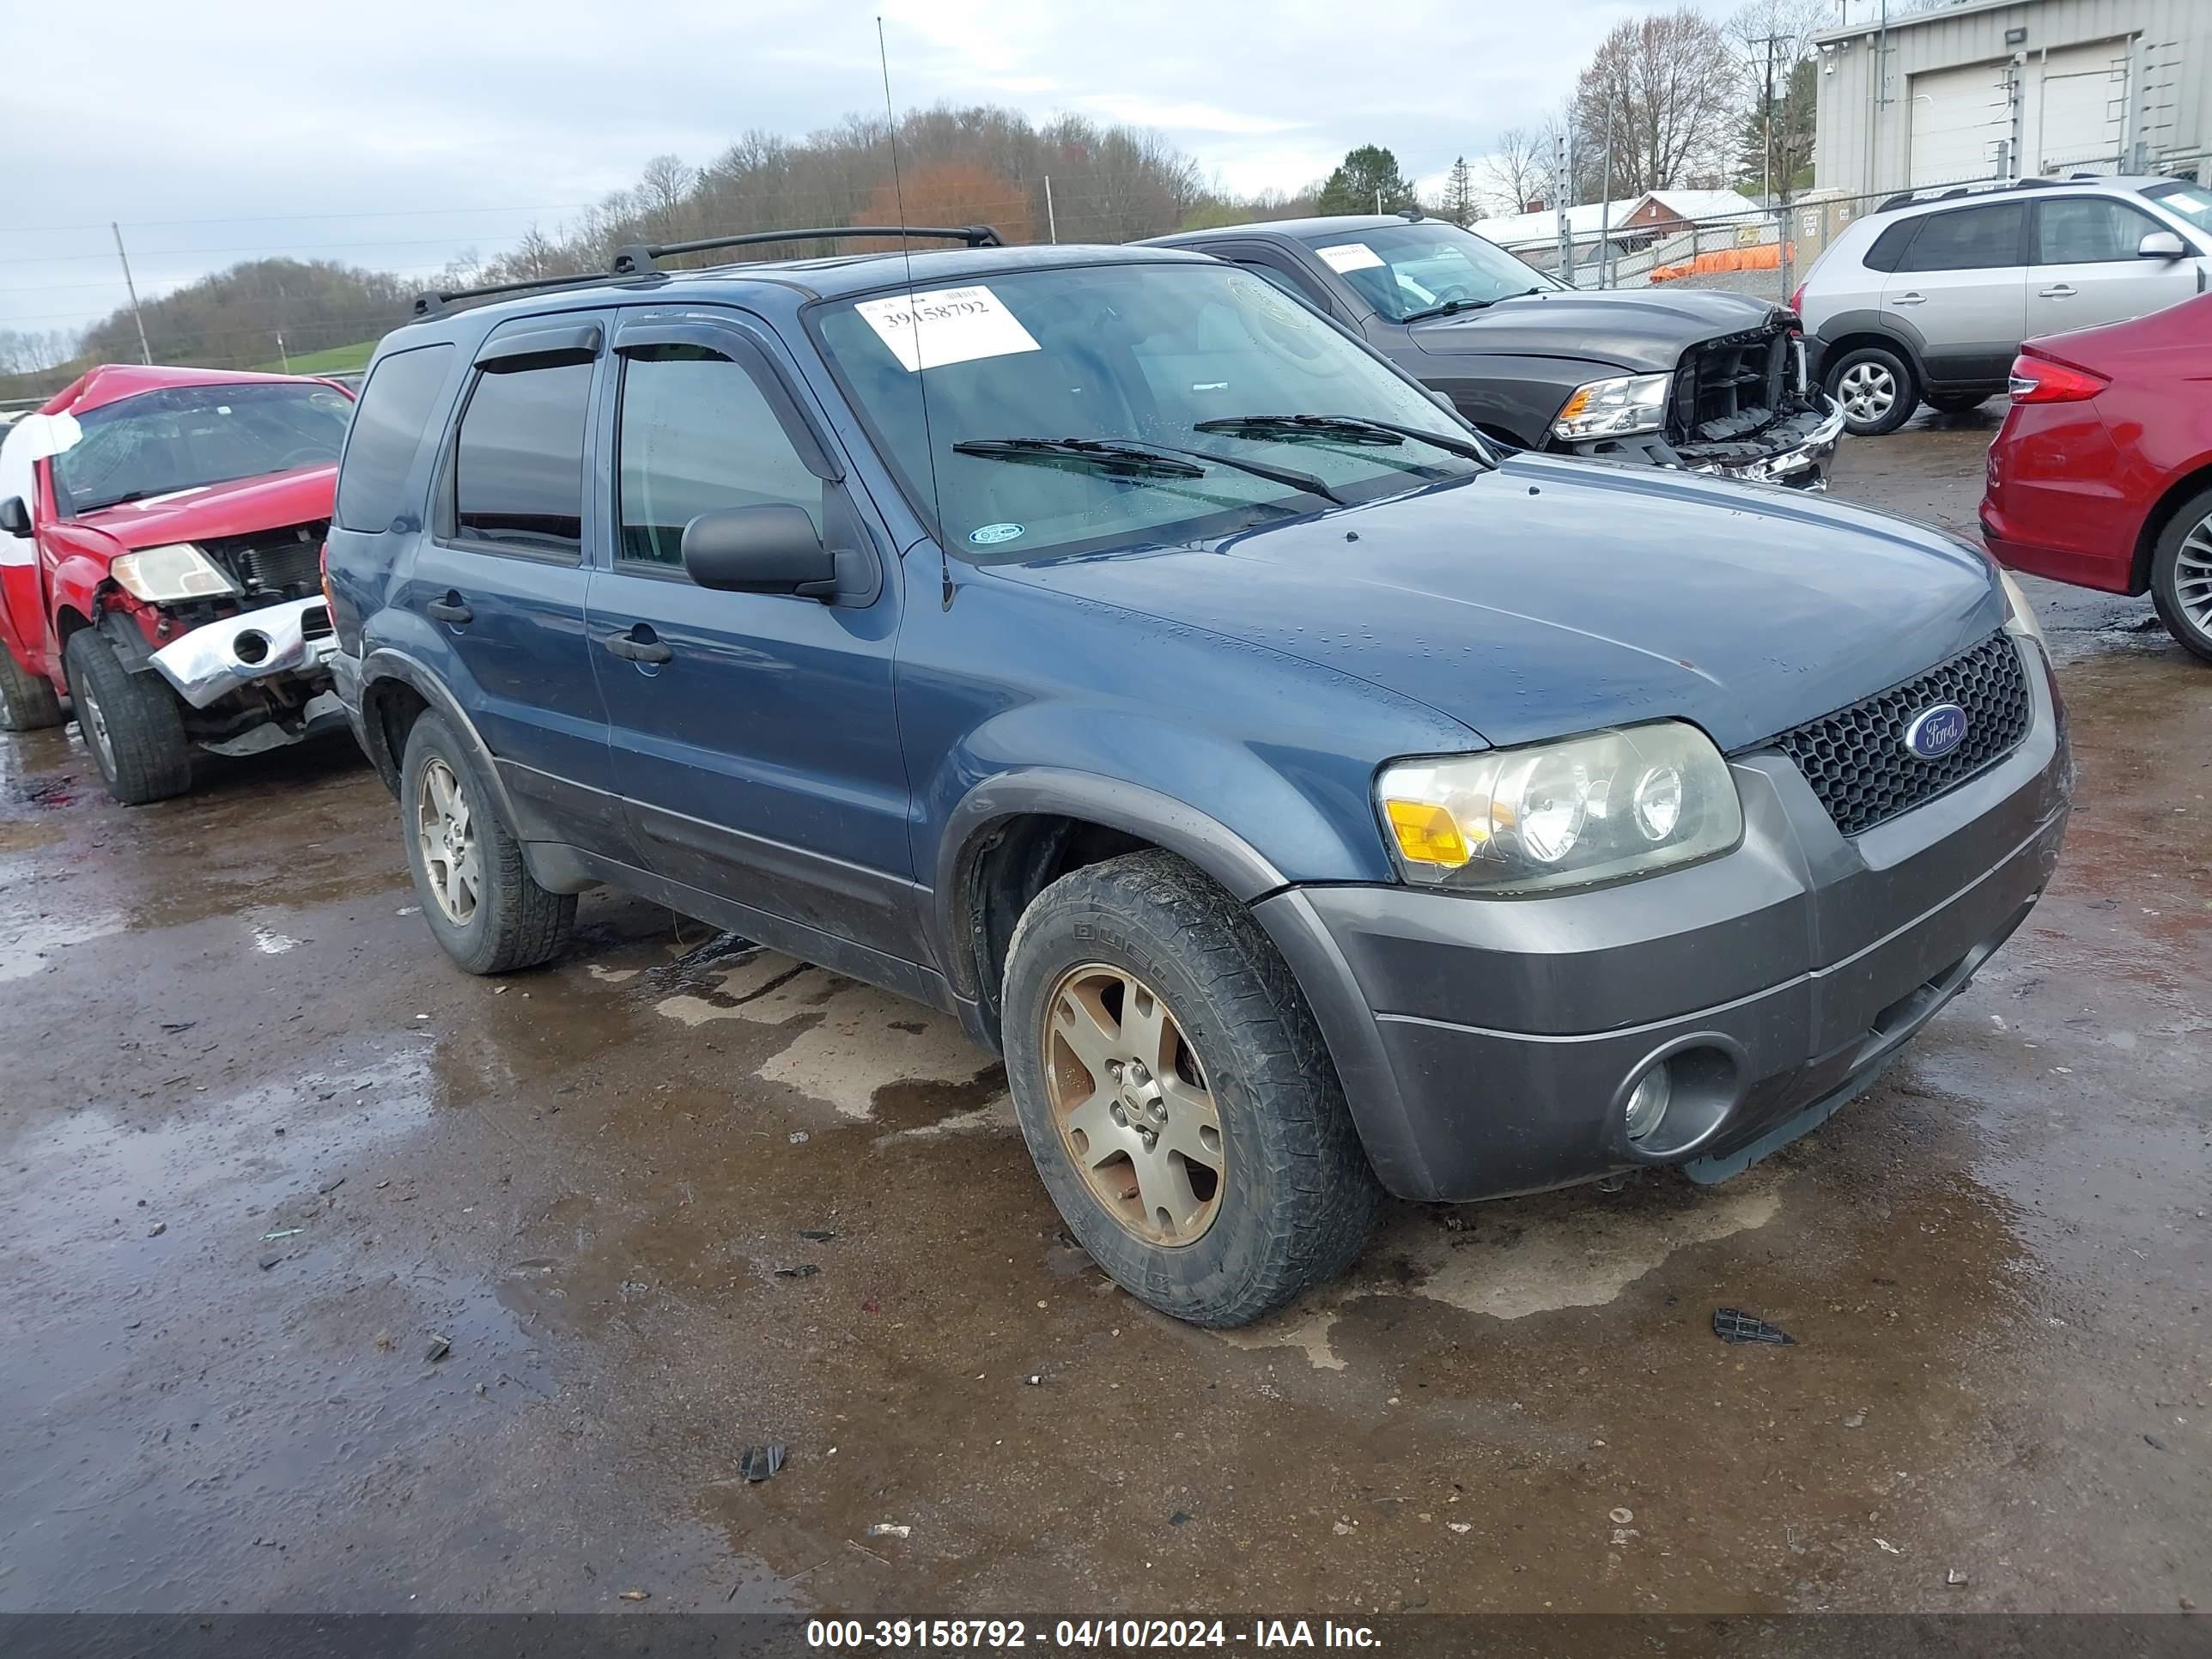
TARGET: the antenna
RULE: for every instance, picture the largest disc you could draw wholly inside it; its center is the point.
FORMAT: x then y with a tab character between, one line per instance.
913	321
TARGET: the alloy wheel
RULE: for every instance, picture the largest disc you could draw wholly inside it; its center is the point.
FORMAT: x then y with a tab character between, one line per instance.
1129	1096
94	723
2192	577
451	856
1867	391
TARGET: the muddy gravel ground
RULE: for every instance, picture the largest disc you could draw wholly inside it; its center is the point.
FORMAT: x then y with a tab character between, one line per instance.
332	1279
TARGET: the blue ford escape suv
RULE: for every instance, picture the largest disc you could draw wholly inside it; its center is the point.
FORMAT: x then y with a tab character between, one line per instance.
1309	801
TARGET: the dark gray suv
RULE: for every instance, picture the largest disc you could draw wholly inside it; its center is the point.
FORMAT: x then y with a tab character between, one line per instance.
1705	381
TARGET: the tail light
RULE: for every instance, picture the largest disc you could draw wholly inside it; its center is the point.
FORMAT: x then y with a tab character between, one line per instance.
1797	299
2040	380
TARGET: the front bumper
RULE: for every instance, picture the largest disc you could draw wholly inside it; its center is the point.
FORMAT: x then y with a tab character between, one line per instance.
217	658
1487	1046
1794	451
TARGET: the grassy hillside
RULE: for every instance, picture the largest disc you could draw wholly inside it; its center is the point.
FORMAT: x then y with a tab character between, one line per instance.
339	359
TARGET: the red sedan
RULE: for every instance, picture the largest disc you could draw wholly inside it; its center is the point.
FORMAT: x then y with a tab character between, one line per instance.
2102	474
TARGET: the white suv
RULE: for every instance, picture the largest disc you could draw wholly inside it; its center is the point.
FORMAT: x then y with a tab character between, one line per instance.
1927	299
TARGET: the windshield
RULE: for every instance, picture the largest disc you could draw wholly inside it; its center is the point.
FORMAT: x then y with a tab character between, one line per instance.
1129	361
1406	269
159	443
2183	201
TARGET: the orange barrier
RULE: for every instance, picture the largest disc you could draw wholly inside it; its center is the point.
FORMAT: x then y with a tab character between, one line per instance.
1767	257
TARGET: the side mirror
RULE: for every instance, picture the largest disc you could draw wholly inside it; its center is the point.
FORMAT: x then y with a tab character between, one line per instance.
1442	400
14	517
2161	245
759	550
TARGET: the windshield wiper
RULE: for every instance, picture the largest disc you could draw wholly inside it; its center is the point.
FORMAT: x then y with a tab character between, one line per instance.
1136	459
1450	307
113	500
1358	428
1447	309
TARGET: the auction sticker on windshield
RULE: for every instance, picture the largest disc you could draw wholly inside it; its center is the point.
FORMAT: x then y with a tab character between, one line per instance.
1349	256
945	325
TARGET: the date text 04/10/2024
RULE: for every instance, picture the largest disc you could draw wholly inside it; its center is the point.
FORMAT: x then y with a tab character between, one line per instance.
1086	1634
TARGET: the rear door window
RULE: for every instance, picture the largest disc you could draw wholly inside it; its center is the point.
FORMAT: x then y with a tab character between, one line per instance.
1969	239
519	461
387	433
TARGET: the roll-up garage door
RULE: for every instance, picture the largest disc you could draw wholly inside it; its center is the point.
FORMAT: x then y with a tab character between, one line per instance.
2081	119
1959	116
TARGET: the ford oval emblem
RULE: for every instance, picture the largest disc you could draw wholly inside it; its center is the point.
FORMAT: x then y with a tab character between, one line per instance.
1935	732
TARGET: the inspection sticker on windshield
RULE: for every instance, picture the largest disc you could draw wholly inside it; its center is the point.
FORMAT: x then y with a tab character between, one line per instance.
1349	256
945	325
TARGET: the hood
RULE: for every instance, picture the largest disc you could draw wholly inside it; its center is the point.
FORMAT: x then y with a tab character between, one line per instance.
238	507
1643	331
1553	597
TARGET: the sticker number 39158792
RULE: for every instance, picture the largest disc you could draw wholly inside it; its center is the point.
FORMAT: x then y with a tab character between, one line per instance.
945	325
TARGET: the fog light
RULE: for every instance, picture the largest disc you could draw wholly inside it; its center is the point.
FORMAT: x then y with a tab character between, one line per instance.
1649	1103
251	647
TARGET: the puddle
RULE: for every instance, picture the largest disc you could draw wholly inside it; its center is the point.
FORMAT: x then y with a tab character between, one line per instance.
855	1040
1529	1256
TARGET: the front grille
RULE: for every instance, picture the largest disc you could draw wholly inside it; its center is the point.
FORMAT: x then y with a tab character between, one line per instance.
1856	761
285	562
1726	388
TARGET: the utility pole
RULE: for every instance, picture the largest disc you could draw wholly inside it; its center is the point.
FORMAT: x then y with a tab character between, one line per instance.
145	351
1051	219
1378	198
284	356
1605	211
1766	160
1562	175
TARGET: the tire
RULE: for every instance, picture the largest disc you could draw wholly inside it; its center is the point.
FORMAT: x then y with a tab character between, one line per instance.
1882	386
132	723
1954	403
1291	1199
483	906
27	701
2181	575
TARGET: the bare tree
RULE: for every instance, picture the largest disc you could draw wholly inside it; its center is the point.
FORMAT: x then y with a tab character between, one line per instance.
1518	169
1776	39
1669	91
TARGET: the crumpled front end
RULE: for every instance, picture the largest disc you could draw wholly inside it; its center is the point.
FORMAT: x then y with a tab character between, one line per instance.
249	667
1742	407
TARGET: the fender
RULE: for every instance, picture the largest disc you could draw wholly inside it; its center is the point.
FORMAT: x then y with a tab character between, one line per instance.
74	583
387	664
1846	324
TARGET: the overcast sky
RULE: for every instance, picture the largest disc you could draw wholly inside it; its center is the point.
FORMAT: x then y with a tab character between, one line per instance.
398	137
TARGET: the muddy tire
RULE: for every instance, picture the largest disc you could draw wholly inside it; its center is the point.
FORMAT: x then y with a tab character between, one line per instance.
2181	575
1874	387
132	723
475	890
1177	1097
28	702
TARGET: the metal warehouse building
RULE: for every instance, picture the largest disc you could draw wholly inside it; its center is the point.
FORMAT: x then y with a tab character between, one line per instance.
2016	88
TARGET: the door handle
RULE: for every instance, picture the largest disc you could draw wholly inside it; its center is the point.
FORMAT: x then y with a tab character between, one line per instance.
639	645
451	609
1910	299
2060	291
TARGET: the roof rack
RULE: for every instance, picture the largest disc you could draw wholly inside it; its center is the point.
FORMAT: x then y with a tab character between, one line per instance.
638	261
1920	197
641	260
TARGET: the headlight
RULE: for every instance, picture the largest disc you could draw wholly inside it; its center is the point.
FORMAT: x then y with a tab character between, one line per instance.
1606	409
2020	615
1604	807
163	575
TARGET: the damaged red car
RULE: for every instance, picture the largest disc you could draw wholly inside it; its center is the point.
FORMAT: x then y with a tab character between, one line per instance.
161	552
